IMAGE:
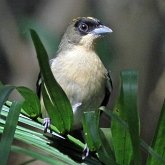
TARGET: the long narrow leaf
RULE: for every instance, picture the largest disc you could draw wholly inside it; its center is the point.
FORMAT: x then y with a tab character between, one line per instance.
129	101
43	144
41	156
106	138
25	120
120	136
91	130
4	94
55	92
158	143
143	144
152	153
51	110
105	152
9	130
105	157
31	104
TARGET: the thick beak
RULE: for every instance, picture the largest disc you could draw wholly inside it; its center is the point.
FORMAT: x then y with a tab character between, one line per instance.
101	30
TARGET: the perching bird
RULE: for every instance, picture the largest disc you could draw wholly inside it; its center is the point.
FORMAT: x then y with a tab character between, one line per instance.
79	70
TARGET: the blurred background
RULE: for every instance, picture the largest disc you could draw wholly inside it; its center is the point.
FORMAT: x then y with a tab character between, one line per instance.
137	42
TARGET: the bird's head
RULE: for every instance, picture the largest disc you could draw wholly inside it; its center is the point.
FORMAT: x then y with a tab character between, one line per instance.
83	31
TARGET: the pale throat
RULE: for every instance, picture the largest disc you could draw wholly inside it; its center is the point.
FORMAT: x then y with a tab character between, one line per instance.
88	42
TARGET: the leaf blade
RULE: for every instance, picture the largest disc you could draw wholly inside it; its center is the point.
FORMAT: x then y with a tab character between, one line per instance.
105	152
158	143
129	97
9	130
91	130
4	94
31	104
55	91
120	135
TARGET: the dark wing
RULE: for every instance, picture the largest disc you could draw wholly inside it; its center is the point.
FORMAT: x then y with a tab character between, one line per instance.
108	90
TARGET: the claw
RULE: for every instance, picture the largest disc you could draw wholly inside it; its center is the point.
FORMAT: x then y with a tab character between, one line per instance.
46	124
85	152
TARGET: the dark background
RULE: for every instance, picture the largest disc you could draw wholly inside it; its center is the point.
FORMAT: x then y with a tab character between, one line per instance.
137	42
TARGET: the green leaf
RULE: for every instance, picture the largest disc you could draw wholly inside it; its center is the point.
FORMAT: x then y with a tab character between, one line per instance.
4	94
120	135
50	109
46	146
31	104
105	152
127	141
105	157
41	156
55	92
121	142
91	130
106	139
150	151
9	130
129	102
143	144
158	143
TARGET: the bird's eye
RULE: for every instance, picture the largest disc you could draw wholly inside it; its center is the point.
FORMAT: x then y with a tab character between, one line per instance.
83	27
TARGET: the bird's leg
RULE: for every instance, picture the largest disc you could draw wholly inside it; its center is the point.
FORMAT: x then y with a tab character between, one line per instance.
85	152
75	106
86	149
46	124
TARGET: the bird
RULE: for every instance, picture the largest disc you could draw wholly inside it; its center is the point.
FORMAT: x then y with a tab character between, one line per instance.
79	70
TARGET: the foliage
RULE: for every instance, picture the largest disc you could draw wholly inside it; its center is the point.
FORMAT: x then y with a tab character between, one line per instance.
119	144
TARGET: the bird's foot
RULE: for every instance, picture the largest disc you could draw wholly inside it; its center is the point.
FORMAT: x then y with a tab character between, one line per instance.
46	124
85	152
